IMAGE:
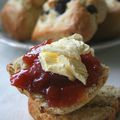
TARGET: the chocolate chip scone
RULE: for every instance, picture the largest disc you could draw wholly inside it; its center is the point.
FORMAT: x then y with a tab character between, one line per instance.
110	28
60	76
20	16
65	17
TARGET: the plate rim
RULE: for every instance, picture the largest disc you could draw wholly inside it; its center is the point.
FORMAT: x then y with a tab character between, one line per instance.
26	46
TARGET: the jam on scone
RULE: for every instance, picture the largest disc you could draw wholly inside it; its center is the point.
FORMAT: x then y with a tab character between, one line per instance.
62	74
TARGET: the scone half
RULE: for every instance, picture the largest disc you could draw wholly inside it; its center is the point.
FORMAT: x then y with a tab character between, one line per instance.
105	106
89	94
62	79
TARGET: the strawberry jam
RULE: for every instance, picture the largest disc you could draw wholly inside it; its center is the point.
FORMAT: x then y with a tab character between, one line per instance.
56	89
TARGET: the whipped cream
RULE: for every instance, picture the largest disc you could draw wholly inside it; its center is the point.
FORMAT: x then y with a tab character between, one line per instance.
63	57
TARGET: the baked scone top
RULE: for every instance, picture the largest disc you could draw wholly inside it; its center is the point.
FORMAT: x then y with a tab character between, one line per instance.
64	17
26	3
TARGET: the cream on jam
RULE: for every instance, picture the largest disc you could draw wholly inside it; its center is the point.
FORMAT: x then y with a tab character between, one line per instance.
56	89
63	57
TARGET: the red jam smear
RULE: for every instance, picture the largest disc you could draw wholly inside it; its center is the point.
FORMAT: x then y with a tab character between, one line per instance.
56	89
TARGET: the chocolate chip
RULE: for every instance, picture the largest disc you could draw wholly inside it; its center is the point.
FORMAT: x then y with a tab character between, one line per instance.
91	9
61	6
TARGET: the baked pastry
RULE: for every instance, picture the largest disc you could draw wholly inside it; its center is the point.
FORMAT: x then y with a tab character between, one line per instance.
105	106
37	3
19	17
64	17
110	28
61	76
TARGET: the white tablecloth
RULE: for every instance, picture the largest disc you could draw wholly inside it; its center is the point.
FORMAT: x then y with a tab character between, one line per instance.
13	105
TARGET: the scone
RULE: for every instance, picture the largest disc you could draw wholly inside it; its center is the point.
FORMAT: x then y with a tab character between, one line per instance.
37	3
61	76
64	17
105	106
110	28
19	17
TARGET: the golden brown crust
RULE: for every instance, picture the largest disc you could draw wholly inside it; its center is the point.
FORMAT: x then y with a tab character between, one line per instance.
16	66
102	107
109	96
110	28
19	19
37	3
76	19
95	113
71	25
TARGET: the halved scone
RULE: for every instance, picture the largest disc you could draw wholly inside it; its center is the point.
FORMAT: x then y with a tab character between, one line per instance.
60	76
20	16
89	94
65	17
105	106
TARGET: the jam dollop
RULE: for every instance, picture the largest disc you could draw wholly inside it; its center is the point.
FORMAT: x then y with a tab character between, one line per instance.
57	90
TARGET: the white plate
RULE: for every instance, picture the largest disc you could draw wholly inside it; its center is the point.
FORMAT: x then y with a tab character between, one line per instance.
5	39
27	45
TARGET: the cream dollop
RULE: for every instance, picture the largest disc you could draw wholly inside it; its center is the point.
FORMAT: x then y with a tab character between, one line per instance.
63	57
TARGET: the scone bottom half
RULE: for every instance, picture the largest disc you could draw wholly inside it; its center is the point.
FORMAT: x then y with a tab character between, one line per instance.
57	93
